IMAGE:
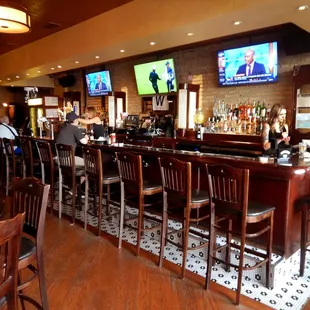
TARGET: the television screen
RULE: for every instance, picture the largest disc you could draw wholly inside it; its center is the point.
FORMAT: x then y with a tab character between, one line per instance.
98	83
249	65
157	77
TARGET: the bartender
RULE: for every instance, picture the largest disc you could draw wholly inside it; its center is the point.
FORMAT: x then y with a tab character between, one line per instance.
275	130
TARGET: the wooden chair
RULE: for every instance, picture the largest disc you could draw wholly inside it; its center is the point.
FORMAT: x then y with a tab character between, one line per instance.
95	175
69	175
48	170
2	165
229	190
178	193
10	237
133	185
304	240
30	196
27	157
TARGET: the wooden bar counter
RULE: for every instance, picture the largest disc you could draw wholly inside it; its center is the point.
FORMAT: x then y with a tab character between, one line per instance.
277	184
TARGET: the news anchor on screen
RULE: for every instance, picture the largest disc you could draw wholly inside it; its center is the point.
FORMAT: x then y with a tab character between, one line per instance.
100	85
251	67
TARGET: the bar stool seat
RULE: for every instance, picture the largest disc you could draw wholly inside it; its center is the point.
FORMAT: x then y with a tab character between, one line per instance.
111	176
79	171
151	188
199	196
258	209
27	248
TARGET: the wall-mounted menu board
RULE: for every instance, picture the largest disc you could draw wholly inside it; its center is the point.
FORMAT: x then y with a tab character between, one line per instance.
51	101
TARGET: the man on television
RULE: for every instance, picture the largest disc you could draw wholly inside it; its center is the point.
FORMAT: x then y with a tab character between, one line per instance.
100	85
168	75
251	67
153	79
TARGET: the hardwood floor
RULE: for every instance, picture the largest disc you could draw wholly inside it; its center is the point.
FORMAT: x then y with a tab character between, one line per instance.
85	272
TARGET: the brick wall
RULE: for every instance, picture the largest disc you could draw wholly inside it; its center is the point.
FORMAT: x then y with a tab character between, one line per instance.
201	62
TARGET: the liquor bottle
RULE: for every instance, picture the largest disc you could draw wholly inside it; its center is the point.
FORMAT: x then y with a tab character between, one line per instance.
258	109
263	111
253	112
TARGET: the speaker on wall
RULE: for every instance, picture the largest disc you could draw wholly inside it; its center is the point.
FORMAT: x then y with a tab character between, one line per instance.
67	80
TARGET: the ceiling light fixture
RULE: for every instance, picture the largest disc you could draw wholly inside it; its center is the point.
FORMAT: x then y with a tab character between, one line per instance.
59	66
302	7
14	19
237	22
27	74
76	62
97	57
5	104
122	51
52	68
17	76
39	71
190	34
8	79
152	43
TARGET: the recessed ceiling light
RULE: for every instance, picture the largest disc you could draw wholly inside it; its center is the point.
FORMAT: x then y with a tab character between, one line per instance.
27	74
59	66
97	57
237	22
0	81
190	34
39	71
17	76
8	79
76	62
122	51
152	43
52	68
12	85
302	7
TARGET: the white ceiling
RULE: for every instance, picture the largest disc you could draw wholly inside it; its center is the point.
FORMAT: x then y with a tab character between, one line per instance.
133	26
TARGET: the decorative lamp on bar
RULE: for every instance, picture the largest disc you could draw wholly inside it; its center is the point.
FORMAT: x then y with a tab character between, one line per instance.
14	18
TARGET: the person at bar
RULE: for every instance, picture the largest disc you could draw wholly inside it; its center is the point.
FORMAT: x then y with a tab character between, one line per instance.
93	119
70	134
275	131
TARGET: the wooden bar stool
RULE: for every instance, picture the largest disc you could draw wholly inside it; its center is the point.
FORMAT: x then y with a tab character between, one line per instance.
134	188
30	197
178	193
229	190
10	238
48	170
69	175
2	166
98	177
304	240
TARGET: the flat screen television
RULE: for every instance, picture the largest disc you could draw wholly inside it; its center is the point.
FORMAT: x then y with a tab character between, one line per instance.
157	77
252	64
98	83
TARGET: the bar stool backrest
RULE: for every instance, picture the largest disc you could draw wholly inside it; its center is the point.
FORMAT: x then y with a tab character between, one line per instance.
10	237
228	188
65	156
8	145
176	177
93	163
31	196
130	170
45	153
27	154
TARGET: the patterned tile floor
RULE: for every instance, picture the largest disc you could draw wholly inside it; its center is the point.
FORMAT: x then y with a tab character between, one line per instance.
290	291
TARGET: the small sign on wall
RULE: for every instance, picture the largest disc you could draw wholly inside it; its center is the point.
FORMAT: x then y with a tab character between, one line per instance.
160	103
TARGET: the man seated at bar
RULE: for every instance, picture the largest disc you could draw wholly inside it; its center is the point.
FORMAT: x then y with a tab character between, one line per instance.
9	132
275	130
93	119
70	134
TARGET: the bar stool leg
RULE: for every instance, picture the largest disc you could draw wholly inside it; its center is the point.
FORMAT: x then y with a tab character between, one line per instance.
164	229
108	199
140	223
185	239
86	201
269	250
7	176
240	268
99	210
122	214
211	247
60	195
228	248
303	240
52	192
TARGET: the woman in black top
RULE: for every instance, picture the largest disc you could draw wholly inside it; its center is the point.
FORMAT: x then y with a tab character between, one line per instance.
93	119
275	130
